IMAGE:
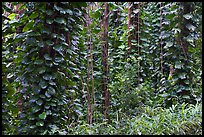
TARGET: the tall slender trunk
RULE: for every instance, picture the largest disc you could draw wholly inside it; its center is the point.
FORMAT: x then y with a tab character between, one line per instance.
129	24
105	63
90	70
138	41
161	44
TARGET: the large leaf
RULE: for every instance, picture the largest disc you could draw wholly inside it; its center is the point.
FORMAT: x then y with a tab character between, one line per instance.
47	94
43	84
49	21
39	102
28	26
35	109
38	62
51	90
69	11
60	20
188	16
40	123
43	115
47	77
34	15
47	57
190	27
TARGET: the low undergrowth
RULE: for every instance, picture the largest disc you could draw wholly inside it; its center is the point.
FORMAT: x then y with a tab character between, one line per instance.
181	119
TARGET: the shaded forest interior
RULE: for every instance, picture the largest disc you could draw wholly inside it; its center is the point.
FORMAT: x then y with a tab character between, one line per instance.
101	68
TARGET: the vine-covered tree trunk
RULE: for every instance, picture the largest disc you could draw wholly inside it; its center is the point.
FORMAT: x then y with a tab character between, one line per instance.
182	41
105	63
129	24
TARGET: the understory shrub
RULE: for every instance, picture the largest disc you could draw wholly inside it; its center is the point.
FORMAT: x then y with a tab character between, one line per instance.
180	119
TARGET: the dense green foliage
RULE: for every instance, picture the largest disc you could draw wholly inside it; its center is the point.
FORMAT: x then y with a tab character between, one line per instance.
46	87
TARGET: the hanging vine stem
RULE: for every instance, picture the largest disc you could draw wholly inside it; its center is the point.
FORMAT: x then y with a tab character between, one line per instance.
138	40
161	38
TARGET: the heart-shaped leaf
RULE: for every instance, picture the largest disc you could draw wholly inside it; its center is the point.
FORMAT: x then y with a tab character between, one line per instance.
51	90
39	102
47	94
43	115
60	20
47	57
43	84
38	62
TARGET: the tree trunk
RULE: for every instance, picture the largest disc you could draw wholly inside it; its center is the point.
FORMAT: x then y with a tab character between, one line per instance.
105	63
129	24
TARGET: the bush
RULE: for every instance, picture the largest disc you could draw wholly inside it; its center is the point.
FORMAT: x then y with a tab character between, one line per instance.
182	119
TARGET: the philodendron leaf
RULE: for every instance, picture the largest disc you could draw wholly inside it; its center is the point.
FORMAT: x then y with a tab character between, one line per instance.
47	77
43	115
47	57
40	123
38	62
28	26
39	102
47	94
187	16
51	90
43	84
60	20
34	15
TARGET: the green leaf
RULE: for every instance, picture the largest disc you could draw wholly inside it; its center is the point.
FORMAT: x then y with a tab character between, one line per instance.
52	83
33	15
43	115
43	84
136	11
49	42
60	20
33	99
186	96
182	75
72	83
42	70
58	48
28	26
49	12
35	109
40	123
190	27
168	44
38	62
187	16
11	90
42	96
39	102
121	46
178	65
59	59
51	90
49	21
47	94
47	57
47	77
12	16
69	11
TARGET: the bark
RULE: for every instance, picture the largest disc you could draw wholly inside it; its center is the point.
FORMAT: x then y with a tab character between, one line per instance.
161	44
129	24
138	41
89	69
105	63
187	8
